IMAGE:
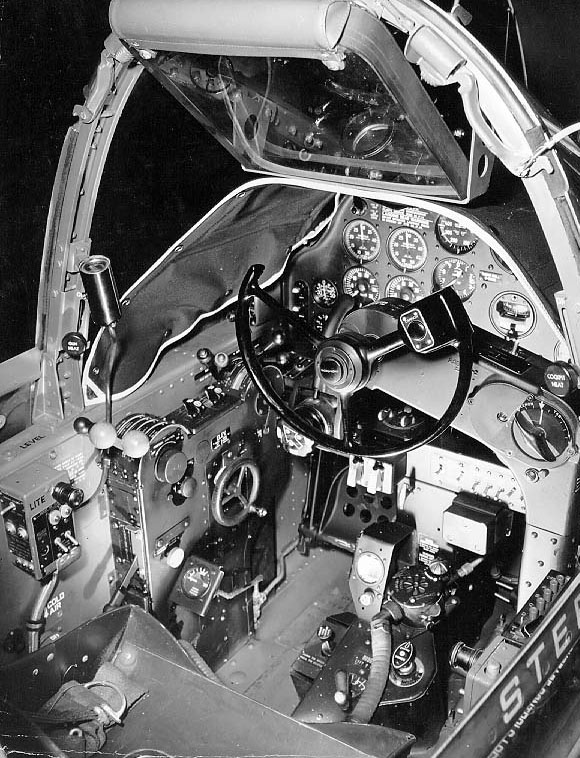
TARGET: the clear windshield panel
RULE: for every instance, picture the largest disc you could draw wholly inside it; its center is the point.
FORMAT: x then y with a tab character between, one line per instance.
296	115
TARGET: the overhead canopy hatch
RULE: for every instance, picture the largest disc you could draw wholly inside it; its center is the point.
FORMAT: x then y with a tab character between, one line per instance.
302	87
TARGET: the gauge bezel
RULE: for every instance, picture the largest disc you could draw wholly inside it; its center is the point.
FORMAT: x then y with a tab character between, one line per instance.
407	278
324	281
492	313
550	409
357	256
198	568
451	247
393	255
463	264
379	567
364	270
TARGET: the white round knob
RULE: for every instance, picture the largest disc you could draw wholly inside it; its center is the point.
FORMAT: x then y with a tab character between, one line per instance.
103	435
135	444
175	557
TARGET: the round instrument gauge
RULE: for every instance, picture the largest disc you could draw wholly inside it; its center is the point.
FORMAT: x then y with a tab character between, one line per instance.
407	249
196	581
361	240
405	288
370	568
540	430
359	282
324	293
368	133
512	315
320	322
454	237
457	273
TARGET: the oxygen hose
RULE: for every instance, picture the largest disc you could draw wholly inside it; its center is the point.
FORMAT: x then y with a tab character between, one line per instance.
35	623
382	647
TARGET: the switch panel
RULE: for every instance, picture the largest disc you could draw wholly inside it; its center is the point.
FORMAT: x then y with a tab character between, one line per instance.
40	530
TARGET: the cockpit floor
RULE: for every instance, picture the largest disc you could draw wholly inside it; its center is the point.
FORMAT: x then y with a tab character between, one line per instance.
315	587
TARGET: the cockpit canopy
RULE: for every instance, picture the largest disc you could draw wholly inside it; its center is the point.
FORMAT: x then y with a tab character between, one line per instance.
343	104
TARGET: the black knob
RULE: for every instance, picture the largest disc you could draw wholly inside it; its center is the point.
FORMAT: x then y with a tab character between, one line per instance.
214	394
74	344
193	407
65	494
205	356
416	330
82	425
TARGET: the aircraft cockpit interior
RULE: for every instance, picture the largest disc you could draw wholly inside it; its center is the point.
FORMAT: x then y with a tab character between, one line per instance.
308	485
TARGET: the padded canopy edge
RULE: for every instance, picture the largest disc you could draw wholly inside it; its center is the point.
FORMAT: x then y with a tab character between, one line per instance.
244	27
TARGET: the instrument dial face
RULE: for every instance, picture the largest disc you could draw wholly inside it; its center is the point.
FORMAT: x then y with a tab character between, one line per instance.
324	293
370	568
405	288
407	249
540	430
196	581
361	240
454	237
320	322
457	273
512	314
359	282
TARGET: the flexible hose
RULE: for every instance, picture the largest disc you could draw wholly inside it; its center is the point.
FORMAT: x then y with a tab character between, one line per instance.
36	620
200	662
381	645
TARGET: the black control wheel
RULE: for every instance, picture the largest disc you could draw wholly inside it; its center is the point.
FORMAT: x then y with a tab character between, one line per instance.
236	490
344	362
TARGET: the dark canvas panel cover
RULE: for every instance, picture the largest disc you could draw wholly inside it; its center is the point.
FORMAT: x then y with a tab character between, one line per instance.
257	224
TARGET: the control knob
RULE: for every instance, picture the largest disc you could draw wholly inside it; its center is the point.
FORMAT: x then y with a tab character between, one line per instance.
170	465
66	494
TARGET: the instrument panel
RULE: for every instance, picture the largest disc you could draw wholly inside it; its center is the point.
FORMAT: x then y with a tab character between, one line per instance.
408	252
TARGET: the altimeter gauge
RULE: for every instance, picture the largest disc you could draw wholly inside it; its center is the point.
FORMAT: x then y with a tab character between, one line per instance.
540	430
